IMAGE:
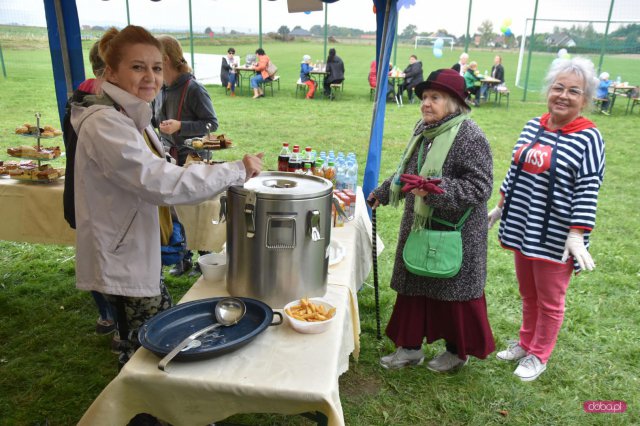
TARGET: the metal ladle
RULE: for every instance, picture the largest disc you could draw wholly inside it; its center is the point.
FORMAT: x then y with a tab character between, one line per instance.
229	311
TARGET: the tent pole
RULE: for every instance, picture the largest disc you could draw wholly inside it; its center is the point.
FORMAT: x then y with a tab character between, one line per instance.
128	16
193	62
466	40
326	11
260	24
604	39
64	48
4	69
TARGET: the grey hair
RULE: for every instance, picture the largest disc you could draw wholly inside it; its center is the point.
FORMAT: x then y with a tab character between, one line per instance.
453	105
582	67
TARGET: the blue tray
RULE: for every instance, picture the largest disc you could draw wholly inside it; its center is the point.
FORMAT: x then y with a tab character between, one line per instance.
166	330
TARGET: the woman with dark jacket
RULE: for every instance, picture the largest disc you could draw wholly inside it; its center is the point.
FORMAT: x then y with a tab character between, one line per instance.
185	109
412	76
227	71
448	145
335	71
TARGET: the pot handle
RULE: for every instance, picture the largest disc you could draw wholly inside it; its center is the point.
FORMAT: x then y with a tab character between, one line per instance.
278	314
250	214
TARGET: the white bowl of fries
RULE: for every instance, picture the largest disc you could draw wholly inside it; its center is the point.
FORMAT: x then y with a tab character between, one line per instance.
310	315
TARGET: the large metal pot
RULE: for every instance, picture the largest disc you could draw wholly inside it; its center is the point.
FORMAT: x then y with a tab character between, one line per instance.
278	234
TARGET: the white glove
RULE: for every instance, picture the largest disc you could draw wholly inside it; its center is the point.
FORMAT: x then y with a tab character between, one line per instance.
574	246
494	216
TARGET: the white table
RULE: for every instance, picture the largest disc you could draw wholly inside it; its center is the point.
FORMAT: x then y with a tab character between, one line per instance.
280	371
33	213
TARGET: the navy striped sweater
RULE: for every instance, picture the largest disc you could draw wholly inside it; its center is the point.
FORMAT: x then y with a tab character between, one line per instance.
551	186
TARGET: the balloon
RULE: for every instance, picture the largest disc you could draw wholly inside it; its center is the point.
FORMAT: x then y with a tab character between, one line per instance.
507	22
439	44
508	33
437	52
503	29
307	12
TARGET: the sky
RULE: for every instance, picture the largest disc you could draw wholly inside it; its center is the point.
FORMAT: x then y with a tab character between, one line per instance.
242	15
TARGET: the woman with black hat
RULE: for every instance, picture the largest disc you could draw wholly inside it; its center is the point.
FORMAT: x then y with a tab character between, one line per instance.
445	144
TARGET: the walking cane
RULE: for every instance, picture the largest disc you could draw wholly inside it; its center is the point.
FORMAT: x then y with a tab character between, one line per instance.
374	254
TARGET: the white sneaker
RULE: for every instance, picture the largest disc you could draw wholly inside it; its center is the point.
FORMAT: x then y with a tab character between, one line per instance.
401	358
529	368
514	352
446	361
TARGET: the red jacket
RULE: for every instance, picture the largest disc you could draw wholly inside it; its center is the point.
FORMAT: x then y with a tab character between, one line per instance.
373	74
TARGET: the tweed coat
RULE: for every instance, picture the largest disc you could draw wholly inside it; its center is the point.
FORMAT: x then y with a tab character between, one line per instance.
467	178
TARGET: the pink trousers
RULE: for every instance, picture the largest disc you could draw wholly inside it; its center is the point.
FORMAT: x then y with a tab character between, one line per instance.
543	286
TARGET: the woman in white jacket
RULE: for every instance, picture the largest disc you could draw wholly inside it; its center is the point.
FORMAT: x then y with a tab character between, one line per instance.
121	177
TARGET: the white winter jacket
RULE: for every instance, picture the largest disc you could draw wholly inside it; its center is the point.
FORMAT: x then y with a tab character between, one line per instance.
118	185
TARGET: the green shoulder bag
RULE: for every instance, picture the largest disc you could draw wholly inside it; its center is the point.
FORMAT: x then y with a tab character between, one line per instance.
435	253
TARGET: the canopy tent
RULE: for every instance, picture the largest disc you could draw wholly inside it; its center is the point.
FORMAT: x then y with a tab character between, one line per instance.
68	65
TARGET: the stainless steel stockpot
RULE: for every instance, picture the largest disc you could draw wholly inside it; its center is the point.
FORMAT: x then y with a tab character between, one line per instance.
278	234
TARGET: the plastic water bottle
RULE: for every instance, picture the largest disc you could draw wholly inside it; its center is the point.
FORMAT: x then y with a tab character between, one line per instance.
340	173
618	80
351	180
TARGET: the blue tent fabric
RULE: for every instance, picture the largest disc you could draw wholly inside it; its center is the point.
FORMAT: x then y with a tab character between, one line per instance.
384	45
71	30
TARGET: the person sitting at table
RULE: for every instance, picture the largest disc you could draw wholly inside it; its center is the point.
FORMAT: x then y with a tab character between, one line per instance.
461	65
184	111
497	72
335	72
305	78
261	73
412	76
602	94
121	177
373	81
448	145
472	82
228	72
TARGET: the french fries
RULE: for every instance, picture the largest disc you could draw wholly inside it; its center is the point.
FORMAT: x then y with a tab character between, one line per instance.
308	311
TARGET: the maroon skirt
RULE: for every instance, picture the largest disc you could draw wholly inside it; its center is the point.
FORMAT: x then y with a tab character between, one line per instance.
464	324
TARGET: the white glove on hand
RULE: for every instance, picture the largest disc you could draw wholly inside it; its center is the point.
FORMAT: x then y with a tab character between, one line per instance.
494	216
574	246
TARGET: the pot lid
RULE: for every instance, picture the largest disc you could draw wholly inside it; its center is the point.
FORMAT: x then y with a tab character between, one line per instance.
283	185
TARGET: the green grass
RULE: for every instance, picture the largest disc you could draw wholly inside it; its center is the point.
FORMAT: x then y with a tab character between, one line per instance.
52	365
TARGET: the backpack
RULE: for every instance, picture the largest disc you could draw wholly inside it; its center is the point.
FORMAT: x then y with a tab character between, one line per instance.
174	252
70	138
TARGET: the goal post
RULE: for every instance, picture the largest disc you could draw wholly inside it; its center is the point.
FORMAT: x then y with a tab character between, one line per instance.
429	41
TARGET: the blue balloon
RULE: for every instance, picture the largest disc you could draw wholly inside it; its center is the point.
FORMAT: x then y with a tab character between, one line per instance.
307	12
437	52
439	44
508	33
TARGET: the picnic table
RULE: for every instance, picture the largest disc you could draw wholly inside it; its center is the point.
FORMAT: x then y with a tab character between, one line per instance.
244	71
622	89
280	371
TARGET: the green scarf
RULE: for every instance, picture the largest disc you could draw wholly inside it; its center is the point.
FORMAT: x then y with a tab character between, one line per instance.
442	137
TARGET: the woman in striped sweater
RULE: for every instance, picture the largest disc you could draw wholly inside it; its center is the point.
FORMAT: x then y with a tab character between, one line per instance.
548	209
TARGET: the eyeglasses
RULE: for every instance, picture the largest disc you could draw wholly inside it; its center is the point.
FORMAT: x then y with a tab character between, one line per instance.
572	92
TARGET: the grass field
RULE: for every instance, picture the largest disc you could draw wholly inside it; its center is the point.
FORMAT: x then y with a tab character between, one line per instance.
52	365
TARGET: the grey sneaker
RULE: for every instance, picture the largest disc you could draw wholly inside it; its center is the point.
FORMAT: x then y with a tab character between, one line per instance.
514	352
401	358
529	368
446	361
